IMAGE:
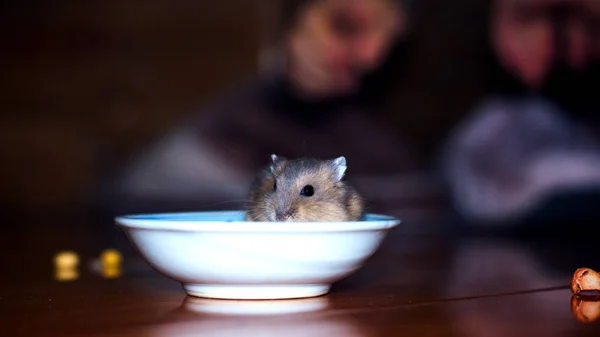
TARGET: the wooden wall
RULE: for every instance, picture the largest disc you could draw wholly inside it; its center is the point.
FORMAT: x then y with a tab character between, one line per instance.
88	83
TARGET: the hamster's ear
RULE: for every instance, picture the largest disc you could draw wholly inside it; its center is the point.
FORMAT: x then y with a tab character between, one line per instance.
339	167
275	161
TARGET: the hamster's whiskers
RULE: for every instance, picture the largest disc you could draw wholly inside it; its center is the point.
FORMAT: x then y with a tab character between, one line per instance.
246	201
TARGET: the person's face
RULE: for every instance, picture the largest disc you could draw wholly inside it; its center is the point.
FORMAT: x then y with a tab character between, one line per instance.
531	36
363	30
337	41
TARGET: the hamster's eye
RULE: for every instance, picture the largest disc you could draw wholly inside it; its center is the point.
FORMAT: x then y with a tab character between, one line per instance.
275	185
307	191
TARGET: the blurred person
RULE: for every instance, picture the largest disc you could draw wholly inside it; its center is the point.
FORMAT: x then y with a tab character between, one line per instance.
530	155
514	155
341	92
336	42
209	160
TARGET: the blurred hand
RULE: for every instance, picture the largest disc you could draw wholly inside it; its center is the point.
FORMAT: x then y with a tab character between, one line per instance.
336	41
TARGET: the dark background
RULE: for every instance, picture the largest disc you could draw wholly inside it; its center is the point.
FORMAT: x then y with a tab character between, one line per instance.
87	85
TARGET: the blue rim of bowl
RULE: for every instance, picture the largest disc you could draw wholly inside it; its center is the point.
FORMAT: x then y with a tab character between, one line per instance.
232	221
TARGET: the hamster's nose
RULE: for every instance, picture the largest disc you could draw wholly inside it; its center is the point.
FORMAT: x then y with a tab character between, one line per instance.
282	216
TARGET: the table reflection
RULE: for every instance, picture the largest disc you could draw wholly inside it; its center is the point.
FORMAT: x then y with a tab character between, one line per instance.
484	266
586	309
535	297
254	307
229	318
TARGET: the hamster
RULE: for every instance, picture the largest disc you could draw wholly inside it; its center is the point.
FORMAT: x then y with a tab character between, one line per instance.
305	189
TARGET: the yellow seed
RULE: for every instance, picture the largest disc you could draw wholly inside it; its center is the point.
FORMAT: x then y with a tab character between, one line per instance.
66	259
110	257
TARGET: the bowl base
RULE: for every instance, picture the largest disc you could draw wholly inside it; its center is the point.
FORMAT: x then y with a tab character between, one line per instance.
256	292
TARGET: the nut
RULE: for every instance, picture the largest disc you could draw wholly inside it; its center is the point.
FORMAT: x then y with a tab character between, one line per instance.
111	257
585	311
585	279
66	260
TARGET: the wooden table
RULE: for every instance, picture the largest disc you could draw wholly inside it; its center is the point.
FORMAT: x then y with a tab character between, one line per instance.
421	283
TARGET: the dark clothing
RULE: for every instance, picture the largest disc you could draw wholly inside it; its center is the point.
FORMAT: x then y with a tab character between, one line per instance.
236	134
390	131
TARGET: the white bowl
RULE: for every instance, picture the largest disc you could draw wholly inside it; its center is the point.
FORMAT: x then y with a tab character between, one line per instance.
220	255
